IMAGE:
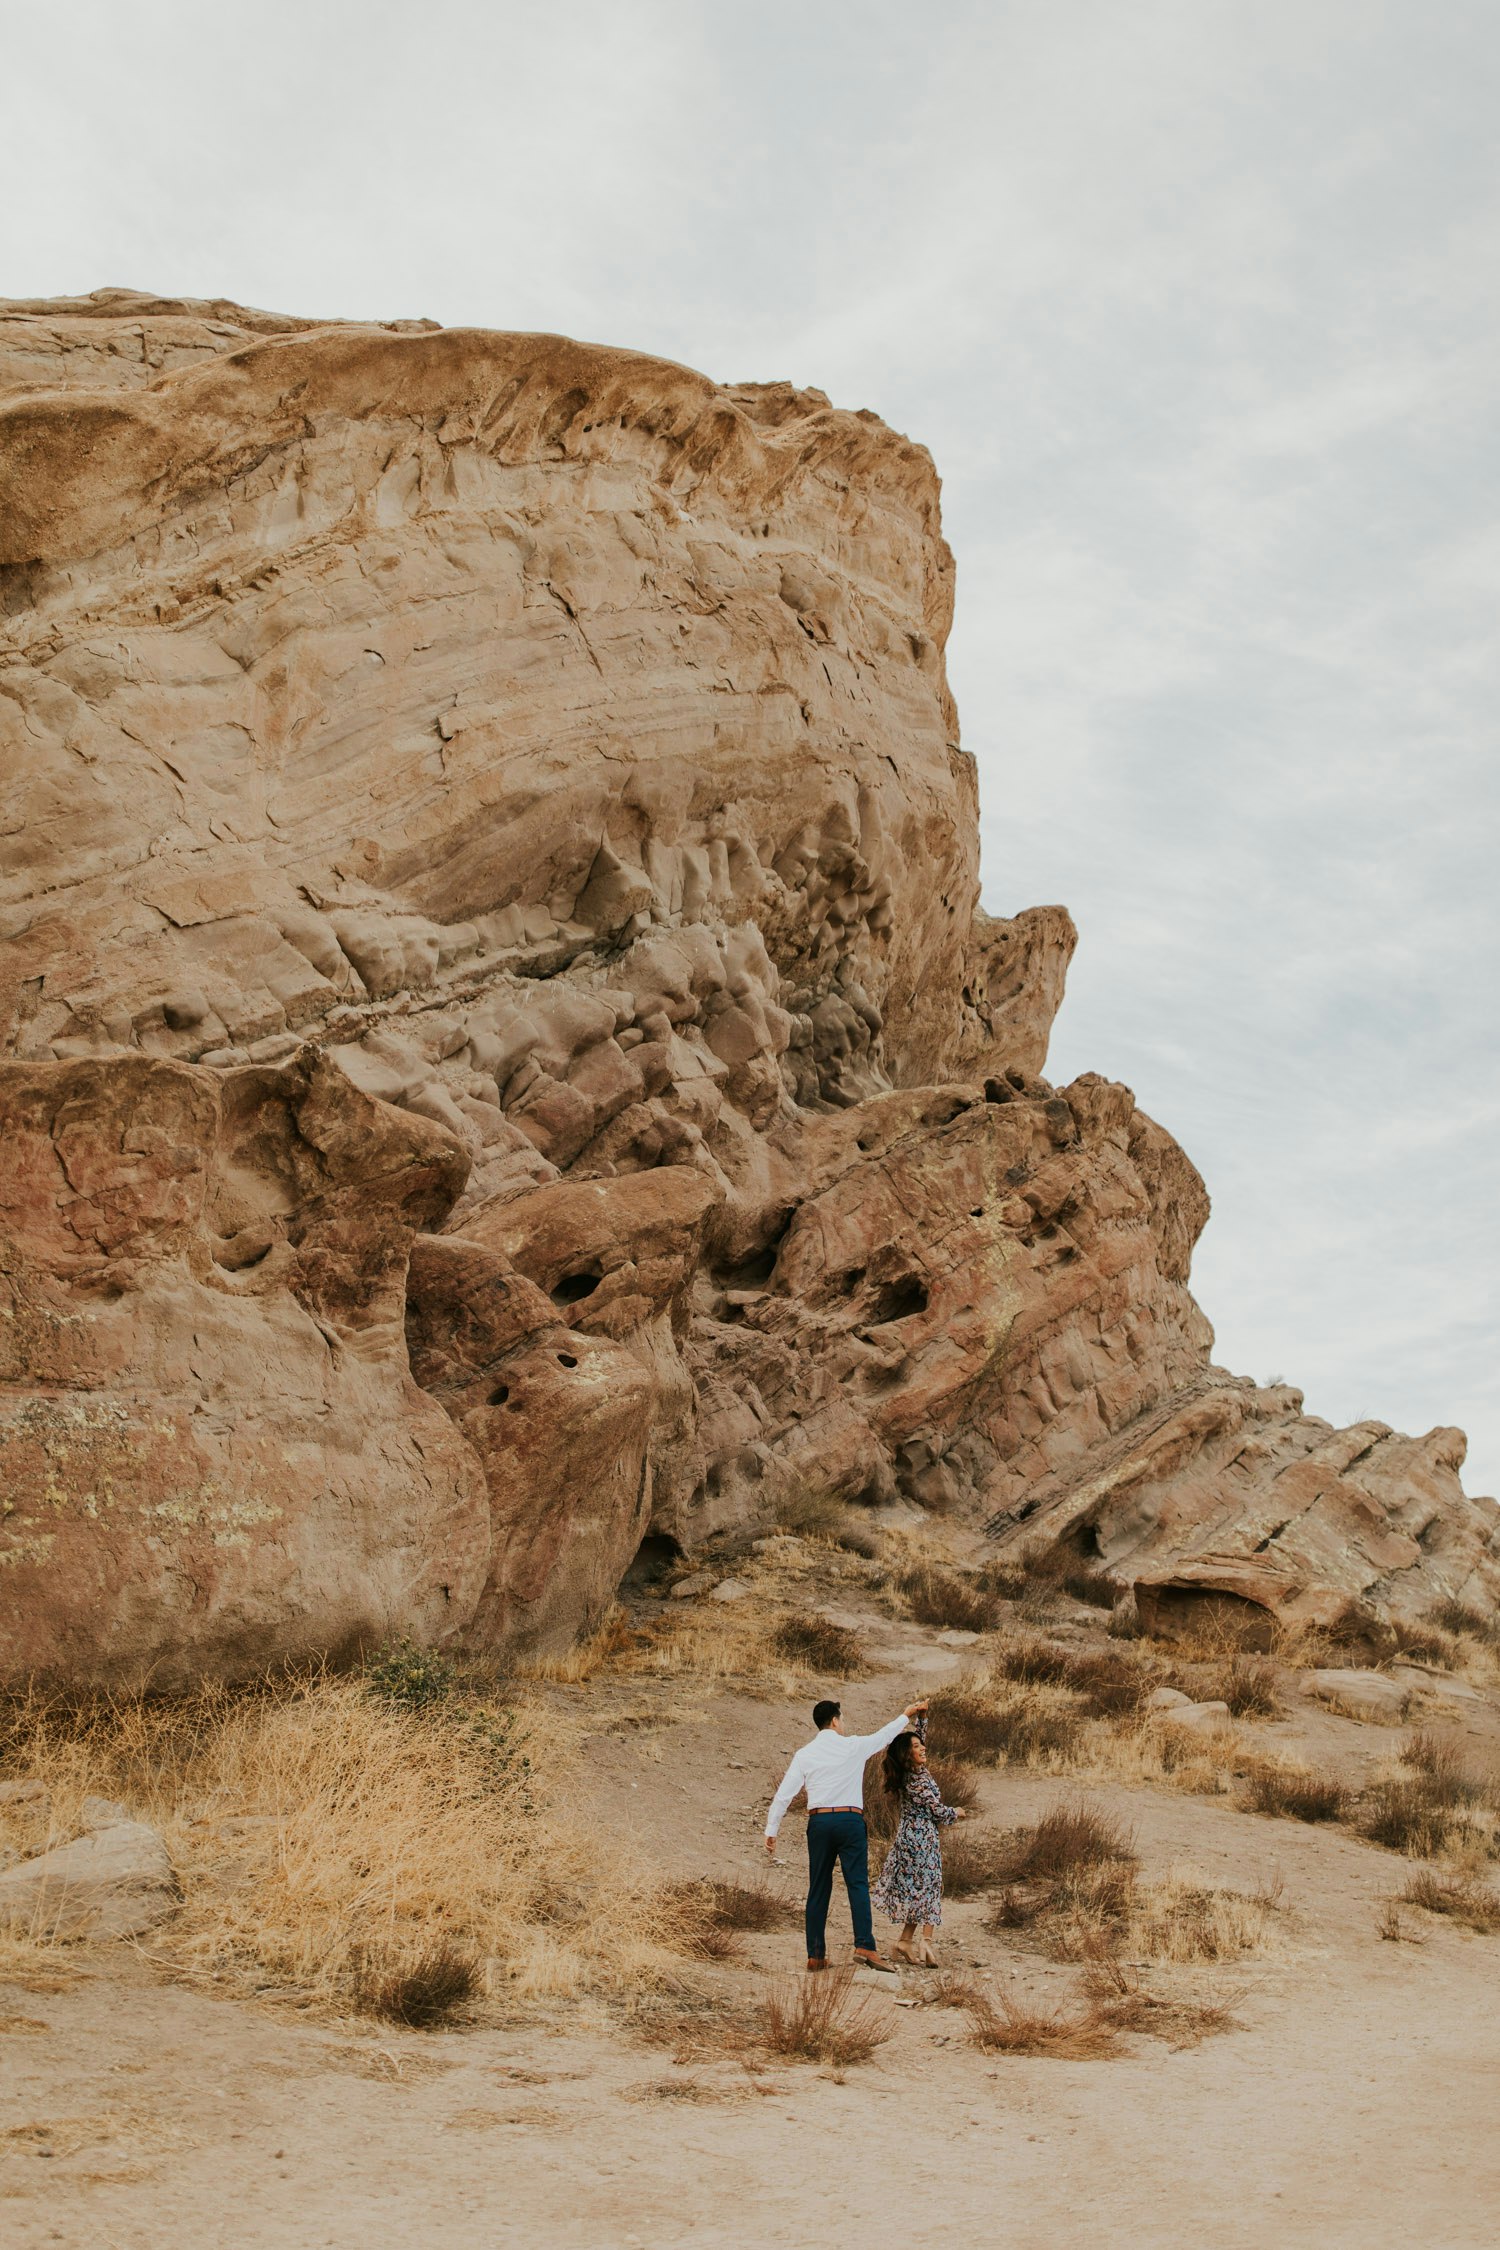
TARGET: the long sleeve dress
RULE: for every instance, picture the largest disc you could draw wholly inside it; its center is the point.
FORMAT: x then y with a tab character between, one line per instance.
910	1888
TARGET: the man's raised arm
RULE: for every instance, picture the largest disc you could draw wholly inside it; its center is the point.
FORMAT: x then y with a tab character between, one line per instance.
870	1743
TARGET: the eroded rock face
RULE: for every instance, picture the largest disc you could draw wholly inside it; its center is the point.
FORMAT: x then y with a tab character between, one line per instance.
504	1055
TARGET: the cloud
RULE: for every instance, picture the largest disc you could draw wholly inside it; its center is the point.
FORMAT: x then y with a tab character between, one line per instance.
1191	302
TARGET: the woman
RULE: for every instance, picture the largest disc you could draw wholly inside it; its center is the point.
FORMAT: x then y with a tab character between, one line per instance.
910	1889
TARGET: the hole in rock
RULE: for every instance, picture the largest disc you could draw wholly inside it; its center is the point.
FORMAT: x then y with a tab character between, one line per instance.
574	1287
500	1394
514	1405
657	1554
755	1270
977	1212
566	1359
898	1300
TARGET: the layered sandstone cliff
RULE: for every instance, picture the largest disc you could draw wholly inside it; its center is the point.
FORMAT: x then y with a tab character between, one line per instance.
503	1054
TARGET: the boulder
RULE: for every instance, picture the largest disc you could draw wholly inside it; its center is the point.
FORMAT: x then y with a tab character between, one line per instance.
696	1582
475	1101
1200	1718
1362	1695
115	1882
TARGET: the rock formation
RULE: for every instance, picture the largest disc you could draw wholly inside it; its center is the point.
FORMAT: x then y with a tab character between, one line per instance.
503	1057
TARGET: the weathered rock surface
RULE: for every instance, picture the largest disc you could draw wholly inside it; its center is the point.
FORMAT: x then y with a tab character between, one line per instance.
503	1055
114	1882
1364	1695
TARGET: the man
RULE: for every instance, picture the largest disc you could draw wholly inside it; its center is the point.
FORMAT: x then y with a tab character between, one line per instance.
831	1768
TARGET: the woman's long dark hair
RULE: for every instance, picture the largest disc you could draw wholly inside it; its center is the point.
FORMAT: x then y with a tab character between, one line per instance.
898	1766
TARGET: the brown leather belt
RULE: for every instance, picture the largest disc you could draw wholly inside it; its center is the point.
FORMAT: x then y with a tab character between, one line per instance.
814	1810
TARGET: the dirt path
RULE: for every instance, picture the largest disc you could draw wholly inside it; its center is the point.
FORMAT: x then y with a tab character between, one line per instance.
1357	2103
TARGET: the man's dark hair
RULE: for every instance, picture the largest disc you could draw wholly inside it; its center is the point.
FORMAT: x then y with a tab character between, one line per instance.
825	1713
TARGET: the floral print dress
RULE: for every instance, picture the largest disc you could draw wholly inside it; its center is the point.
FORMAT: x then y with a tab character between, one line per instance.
910	1887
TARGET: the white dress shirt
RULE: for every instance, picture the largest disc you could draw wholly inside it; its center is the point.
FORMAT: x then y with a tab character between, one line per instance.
831	1768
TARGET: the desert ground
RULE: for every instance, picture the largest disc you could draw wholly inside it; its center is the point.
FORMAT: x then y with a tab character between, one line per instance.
1328	2075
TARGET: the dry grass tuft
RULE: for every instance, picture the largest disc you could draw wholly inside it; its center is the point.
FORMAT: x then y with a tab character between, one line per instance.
940	1597
1293	1793
1065	1839
1249	1685
1473	1905
973	1861
1461	1618
1427	1811
418	1991
1001	2026
1105	1908
824	2019
1111	1684
975	1721
1007	1581
815	1644
1184	1919
708	1915
1119	1993
332	1840
1094	1587
807	1514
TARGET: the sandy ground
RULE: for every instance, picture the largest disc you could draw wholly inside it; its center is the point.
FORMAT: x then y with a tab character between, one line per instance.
1356	2103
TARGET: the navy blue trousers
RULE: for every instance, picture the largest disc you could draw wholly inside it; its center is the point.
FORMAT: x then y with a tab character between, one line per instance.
840	1837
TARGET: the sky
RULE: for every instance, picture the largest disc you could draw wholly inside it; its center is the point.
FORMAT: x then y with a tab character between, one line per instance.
1195	305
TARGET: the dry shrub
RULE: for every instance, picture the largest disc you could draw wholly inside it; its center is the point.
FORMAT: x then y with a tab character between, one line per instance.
1006	1581
1474	1906
807	1514
709	1914
1184	1919
419	1990
748	1906
816	1644
972	1720
1425	1812
1461	1618
1065	1839
1001	2026
1107	1908
1400	1815
1094	1587
1111	1684
1120	1995
613	1637
1359	1634
700	1640
949	1990
1293	1793
825	2019
1248	1684
1444	1775
972	1861
1074	1915
939	1597
384	1836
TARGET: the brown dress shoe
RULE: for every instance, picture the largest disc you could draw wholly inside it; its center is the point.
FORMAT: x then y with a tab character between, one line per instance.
816	1962
876	1961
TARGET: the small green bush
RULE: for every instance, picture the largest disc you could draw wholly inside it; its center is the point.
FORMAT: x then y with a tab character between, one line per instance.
408	1675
